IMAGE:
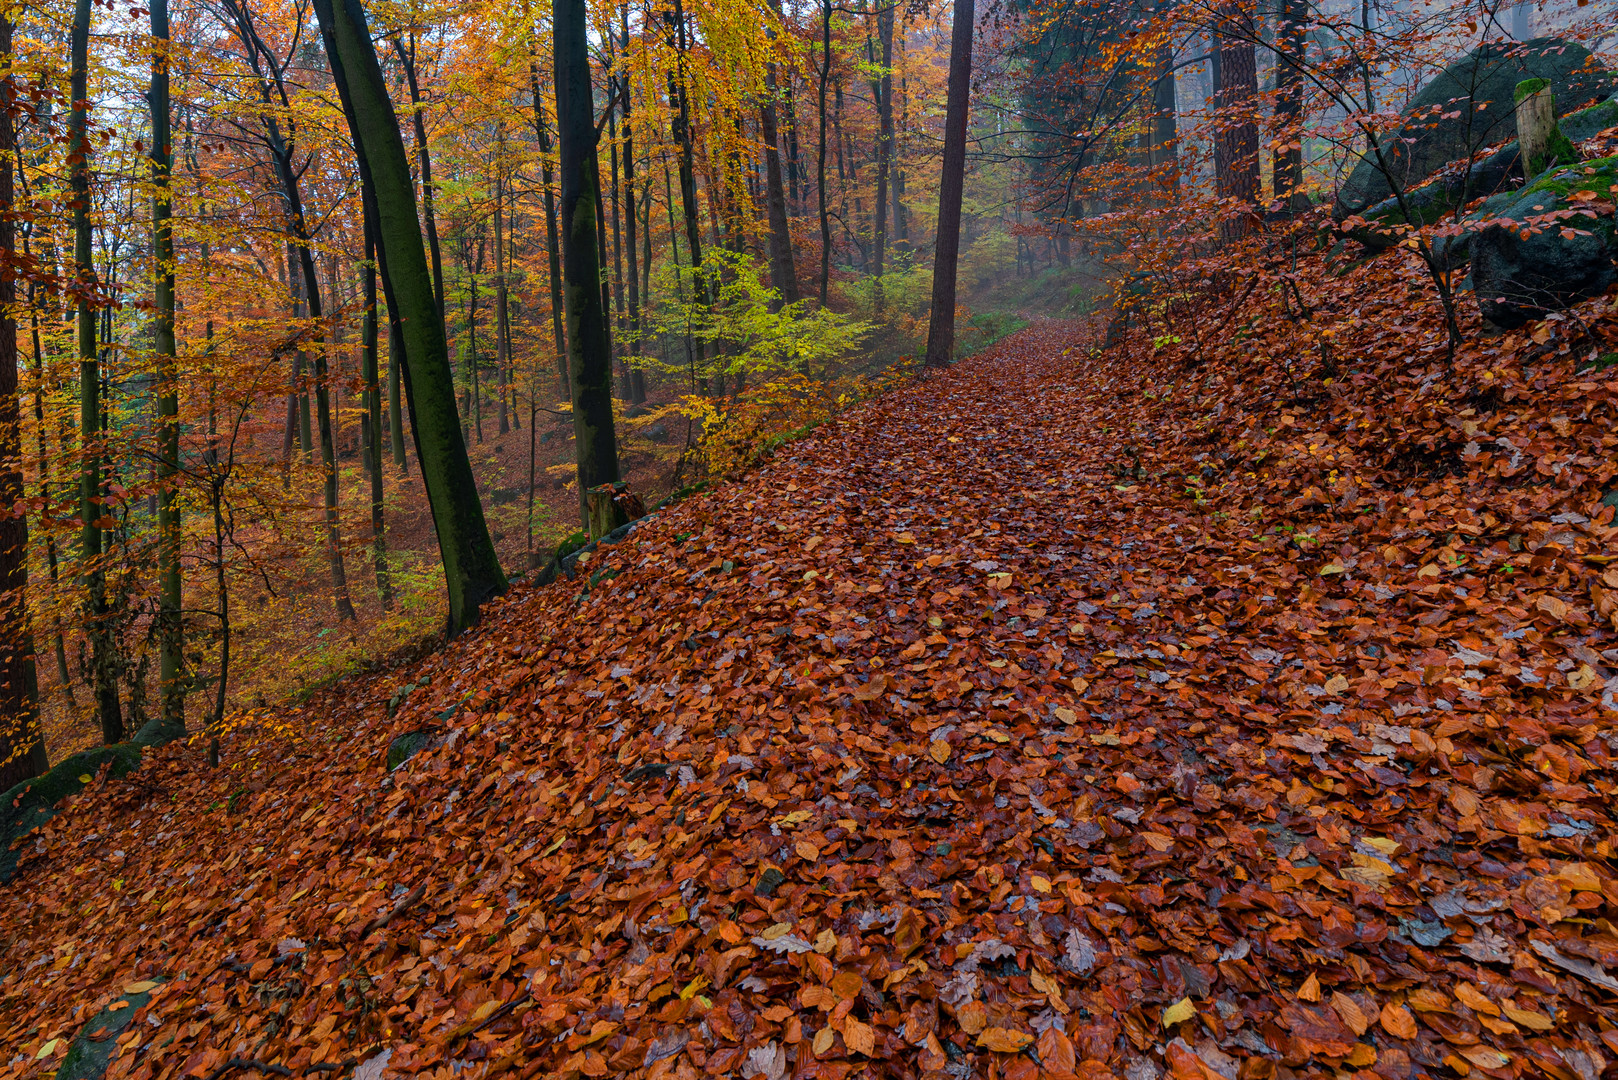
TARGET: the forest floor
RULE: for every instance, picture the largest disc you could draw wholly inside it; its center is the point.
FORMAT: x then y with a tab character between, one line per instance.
1068	713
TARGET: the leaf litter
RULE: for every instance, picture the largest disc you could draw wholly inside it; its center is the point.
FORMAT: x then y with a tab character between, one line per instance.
1155	792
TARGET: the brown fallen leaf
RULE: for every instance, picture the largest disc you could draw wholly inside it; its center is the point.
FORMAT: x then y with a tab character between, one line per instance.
1004	1040
1398	1022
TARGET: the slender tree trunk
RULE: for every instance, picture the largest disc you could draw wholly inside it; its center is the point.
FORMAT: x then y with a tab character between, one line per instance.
395	409
418	119
820	157
1165	127
98	613
632	346
22	745
882	87
170	633
589	354
617	247
1287	175
472	572
502	357
552	242
783	274
941	325
371	418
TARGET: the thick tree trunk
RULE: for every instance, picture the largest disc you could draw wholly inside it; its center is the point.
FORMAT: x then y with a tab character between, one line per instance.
22	746
1236	95
941	324
97	611
552	242
1287	174
589	352
472	572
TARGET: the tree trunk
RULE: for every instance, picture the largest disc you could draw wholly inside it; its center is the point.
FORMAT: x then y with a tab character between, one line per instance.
589	351
1236	132
882	88
97	612
617	241
395	406
632	346
820	156
170	633
941	324
472	572
502	315
783	274
371	418
1287	172
22	745
418	119
553	243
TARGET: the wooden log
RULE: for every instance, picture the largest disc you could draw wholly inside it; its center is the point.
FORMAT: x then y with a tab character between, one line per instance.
611	506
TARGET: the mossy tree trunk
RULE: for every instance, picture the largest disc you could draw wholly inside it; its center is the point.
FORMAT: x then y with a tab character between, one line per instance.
472	572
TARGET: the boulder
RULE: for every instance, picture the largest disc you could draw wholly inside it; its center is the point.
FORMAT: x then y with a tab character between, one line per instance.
1428	139
1494	175
406	746
1521	270
92	1049
34	802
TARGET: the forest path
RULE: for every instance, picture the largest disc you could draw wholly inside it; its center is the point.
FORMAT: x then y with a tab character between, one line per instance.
956	740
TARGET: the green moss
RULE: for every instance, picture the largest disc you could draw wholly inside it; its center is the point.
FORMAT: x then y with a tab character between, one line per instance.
1598	175
31	803
1528	88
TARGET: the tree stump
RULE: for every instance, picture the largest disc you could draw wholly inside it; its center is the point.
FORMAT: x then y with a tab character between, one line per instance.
1540	144
611	506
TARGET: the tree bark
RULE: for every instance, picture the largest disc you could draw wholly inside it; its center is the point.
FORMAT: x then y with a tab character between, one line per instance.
553	243
783	274
170	635
472	572
882	88
820	156
589	351
424	157
1287	171
371	418
632	346
502	315
941	323
97	612
1236	96
22	745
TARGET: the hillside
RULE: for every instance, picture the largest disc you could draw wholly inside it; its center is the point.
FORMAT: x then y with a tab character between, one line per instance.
1076	711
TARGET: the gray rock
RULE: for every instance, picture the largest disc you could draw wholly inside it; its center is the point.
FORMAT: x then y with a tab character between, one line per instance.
31	803
406	746
1486	77
1517	277
92	1048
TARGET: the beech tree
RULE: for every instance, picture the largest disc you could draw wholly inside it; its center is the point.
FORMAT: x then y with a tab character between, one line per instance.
941	324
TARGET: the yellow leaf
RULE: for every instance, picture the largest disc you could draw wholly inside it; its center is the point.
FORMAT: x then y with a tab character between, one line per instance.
1179	1012
1336	684
861	1039
1081	685
692	987
938	750
779	930
1067	716
1004	1040
142	987
1398	1022
1532	1020
810	575
797	817
1428	571
1383	844
85	778
1000	581
1041	884
713	815
823	1040
1333	568
997	736
826	942
47	1050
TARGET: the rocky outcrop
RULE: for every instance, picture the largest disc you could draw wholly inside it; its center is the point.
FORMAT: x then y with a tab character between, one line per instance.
1437	129
1553	245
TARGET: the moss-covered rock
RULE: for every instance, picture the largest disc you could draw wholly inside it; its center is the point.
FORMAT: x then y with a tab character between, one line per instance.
92	1048
31	803
1439	127
1521	270
406	746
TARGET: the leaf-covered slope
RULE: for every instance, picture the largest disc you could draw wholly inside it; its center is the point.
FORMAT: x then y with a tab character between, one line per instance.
987	729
